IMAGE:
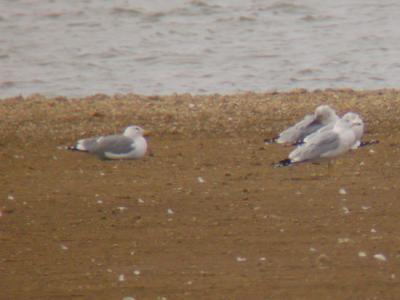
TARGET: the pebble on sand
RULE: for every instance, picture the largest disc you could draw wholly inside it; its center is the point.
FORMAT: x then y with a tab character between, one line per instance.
241	259
362	254
345	210
121	277
380	257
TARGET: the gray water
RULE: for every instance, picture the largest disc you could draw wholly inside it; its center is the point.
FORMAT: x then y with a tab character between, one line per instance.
78	48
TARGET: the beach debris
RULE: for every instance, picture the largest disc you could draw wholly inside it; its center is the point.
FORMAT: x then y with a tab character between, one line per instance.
63	247
241	259
128	298
380	257
136	272
371	151
122	208
342	191
200	179
373	230
345	210
362	254
262	258
312	249
364	207
121	277
10	197
343	240
140	200
170	211
323	261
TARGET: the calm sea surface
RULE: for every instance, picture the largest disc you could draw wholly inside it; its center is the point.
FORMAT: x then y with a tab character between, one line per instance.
83	47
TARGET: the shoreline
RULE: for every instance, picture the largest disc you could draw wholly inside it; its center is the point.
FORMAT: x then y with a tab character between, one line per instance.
264	113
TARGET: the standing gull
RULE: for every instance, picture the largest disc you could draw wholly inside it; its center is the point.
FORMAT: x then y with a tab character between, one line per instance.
358	131
351	118
326	143
322	116
129	145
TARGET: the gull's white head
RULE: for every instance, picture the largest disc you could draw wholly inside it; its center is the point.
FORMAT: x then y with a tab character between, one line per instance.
356	123
325	114
133	131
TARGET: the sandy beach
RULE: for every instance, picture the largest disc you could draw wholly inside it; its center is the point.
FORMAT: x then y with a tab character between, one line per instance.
203	215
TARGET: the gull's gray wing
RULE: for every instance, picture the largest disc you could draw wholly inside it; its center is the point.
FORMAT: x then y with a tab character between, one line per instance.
300	130
321	130
114	144
320	146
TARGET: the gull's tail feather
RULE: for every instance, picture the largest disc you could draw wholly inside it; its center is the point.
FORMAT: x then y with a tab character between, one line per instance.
283	163
79	146
368	143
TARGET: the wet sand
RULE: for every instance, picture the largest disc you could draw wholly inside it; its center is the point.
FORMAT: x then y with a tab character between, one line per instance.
204	216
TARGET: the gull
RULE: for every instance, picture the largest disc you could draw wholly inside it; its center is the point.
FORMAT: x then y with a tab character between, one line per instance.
351	117
327	143
322	116
129	145
358	130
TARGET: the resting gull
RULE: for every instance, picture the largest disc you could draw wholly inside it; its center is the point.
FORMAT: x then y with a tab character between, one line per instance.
129	145
322	116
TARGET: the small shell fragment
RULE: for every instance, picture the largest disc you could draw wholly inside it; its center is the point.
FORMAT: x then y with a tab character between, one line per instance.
380	257
362	254
241	259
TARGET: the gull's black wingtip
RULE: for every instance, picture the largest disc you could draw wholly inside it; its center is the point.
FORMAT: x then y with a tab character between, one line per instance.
71	148
283	163
74	148
298	143
271	141
368	143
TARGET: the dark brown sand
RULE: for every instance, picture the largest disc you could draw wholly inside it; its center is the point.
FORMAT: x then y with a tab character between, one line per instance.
71	224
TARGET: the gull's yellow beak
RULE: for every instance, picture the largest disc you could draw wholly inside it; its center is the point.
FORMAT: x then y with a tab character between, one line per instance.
146	133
